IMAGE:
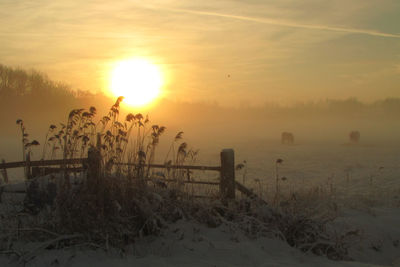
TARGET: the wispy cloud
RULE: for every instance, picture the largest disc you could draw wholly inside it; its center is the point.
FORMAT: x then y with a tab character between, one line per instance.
283	22
286	49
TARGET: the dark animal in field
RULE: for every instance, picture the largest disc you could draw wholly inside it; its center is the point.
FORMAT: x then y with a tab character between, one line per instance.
354	137
287	138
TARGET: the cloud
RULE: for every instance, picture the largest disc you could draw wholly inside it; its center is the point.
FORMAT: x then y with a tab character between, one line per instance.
276	48
284	23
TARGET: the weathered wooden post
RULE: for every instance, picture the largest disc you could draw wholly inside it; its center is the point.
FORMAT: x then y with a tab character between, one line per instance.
95	178
94	167
4	172
94	162
227	183
98	141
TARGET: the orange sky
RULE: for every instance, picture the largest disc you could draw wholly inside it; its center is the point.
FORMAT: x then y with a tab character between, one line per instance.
230	52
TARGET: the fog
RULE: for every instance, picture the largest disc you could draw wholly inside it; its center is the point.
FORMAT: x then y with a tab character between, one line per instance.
205	124
40	102
321	146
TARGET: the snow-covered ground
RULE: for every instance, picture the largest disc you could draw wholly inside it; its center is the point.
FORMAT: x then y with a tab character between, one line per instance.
367	170
365	177
191	244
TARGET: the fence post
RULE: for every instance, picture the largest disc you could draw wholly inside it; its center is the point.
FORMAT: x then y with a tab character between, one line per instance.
4	172
94	163
95	178
98	141
227	183
94	166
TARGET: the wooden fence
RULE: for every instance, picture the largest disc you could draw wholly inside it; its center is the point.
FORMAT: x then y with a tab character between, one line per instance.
227	184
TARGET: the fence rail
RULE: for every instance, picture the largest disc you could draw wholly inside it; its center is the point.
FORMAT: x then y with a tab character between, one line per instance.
186	182
227	184
166	166
41	163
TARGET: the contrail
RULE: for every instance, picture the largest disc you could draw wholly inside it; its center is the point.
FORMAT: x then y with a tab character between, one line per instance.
284	23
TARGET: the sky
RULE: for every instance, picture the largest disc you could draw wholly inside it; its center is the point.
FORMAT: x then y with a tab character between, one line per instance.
229	52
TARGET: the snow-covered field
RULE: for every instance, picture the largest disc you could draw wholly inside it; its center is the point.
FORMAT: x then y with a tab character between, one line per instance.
361	170
191	244
366	179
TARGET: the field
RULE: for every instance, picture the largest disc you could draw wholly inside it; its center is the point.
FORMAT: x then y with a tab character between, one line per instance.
360	181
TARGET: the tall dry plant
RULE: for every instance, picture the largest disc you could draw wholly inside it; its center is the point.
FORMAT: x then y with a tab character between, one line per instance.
46	142
132	140
26	145
278	162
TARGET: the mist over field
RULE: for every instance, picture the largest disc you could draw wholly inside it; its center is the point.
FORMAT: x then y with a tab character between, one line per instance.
40	102
321	129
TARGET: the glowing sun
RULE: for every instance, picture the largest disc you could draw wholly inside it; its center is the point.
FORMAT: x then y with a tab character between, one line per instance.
138	80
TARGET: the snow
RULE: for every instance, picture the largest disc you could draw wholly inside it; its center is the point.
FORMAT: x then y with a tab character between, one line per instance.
380	239
187	243
371	207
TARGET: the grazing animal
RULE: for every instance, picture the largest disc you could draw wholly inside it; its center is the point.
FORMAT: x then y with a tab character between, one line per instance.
354	137
287	138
